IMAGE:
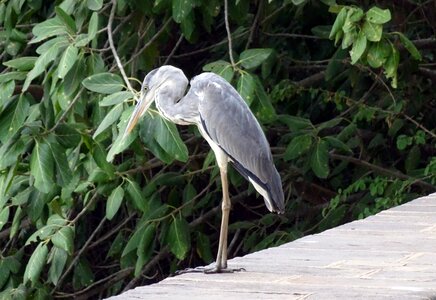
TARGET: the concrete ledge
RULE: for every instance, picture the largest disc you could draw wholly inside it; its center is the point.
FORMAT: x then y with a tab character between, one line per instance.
391	255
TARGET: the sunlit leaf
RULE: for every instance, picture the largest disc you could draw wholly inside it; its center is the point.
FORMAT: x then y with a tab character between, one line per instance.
41	167
222	68
116	98
113	116
66	19
253	58
246	86
358	48
378	16
64	239
58	259
104	83
114	202
36	263
298	146
94	4
67	60
4	216
48	28
23	63
181	9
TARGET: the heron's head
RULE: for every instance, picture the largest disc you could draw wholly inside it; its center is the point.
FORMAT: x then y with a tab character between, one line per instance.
153	81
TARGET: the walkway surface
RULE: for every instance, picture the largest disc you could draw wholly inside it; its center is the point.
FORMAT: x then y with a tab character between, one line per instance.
391	255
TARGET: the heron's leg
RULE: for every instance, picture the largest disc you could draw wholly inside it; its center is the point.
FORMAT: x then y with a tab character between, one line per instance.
221	260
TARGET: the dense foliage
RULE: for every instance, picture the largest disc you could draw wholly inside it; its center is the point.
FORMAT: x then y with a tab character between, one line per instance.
345	93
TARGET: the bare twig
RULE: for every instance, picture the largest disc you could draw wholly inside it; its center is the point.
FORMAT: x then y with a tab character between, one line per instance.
294	35
229	35
382	170
114	51
150	41
254	25
179	41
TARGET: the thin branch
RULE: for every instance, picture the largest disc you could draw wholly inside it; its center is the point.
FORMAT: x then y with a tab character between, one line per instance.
254	25
382	170
294	35
179	41
229	35
114	51
150	41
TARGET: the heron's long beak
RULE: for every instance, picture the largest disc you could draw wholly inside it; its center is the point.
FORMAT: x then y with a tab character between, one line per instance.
143	104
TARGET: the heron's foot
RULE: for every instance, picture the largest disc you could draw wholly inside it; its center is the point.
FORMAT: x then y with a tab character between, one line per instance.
212	270
215	270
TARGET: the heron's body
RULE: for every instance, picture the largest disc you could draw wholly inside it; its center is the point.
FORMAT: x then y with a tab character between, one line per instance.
226	122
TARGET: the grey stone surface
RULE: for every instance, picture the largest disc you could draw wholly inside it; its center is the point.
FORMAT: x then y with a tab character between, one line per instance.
391	255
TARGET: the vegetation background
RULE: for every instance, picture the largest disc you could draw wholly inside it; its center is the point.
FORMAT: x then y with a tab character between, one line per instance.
345	91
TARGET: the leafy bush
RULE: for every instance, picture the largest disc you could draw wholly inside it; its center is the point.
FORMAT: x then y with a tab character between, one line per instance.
85	214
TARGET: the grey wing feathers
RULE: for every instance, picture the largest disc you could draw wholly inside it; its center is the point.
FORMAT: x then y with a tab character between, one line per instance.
227	119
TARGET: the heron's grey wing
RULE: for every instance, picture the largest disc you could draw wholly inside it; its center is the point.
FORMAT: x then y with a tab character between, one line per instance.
229	122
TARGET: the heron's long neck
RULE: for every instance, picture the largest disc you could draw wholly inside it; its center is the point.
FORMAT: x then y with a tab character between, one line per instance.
168	101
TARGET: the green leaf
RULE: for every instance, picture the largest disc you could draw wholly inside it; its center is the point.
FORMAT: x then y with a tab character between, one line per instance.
145	248
36	263
295	123
179	238
64	239
104	83
298	2
134	240
358	48
319	160
181	9
48	28
298	146
336	143
121	143
204	247
94	4
99	154
41	167
222	68
16	222
12	76
24	63
13	117
58	258
356	14
266	112
116	98
67	60
391	66
113	115
378	16
378	53
4	216
253	58
246	86
372	31
93	26
165	134
413	159
41	64
409	46
135	193
63	173
188	25
114	202
66	19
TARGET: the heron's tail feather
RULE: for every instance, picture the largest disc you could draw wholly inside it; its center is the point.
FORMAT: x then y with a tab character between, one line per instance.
276	197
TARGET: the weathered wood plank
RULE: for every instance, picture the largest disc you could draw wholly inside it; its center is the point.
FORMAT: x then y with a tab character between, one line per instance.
391	255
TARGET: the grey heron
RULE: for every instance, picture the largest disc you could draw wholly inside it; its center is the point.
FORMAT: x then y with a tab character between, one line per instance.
228	125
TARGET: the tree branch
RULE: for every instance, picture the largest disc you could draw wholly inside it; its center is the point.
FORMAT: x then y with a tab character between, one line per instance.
114	51
229	36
